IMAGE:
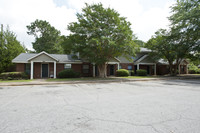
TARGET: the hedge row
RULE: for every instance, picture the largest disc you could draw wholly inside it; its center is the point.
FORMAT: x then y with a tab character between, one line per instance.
13	75
122	73
69	73
141	72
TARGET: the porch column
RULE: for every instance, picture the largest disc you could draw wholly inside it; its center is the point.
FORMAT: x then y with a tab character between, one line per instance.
117	66
31	69
179	69
138	66
93	70
187	69
54	75
155	69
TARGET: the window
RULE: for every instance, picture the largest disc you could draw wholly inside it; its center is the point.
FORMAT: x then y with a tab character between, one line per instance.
68	66
130	67
85	68
27	68
120	67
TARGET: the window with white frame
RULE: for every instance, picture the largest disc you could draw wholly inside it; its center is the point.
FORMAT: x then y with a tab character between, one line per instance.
85	69
130	67
68	66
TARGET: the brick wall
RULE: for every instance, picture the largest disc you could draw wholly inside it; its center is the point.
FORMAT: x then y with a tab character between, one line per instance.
59	68
20	67
77	67
125	65
37	70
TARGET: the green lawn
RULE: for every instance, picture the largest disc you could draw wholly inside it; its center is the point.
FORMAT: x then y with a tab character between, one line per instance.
78	79
140	77
4	81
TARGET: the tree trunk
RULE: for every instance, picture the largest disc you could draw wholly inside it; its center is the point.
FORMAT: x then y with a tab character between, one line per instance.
171	69
102	70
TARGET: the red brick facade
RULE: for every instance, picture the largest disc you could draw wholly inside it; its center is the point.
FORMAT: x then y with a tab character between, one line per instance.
160	69
20	67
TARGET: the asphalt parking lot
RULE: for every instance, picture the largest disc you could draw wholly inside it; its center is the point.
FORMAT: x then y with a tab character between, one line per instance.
171	106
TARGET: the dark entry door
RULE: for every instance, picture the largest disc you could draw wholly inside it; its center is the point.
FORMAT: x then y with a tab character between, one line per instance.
112	68
45	70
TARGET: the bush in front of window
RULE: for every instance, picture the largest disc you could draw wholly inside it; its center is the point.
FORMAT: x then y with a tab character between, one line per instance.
122	73
13	75
68	73
132	73
141	72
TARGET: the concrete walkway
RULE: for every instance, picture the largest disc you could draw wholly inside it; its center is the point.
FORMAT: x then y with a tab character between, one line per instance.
113	80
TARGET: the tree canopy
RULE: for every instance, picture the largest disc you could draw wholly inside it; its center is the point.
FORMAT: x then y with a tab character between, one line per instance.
100	35
183	37
47	38
185	23
10	47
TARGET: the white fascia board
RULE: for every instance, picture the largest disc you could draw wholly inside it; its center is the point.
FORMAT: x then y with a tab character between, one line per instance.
20	62
43	52
142	58
69	62
112	62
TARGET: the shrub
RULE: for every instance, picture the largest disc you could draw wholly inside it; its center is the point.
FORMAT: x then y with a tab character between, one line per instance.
141	72
69	73
122	73
13	75
193	69
132	72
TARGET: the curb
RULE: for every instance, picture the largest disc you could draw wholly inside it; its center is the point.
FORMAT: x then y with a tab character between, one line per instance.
95	81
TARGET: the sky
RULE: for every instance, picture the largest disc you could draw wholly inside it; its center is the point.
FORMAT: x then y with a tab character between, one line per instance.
146	16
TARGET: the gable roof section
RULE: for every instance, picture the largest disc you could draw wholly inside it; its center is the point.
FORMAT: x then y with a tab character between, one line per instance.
62	58
43	52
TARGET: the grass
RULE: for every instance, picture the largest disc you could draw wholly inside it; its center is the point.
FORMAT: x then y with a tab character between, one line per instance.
140	77
5	81
79	79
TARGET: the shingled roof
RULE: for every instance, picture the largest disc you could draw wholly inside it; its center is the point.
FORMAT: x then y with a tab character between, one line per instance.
61	58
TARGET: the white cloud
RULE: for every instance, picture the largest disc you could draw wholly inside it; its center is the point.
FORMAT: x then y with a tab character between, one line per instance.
19	13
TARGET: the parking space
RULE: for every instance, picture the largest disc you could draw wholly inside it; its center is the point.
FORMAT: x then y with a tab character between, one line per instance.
171	106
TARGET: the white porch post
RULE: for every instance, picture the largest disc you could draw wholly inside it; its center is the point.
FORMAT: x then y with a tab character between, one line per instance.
155	69
93	74
93	70
117	66
138	66
54	75
31	69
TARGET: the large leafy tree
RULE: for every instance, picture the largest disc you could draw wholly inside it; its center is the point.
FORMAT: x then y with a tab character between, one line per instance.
10	47
163	47
47	38
185	24
183	37
100	35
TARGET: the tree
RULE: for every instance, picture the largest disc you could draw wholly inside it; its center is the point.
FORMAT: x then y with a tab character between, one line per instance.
100	35
185	23
10	47
163	47
183	37
47	38
139	42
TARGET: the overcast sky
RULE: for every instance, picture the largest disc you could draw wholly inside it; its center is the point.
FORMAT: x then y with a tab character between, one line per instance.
146	16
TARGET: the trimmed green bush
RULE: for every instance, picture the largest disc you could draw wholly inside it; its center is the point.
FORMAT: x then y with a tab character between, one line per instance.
13	75
193	69
122	73
69	73
141	72
132	73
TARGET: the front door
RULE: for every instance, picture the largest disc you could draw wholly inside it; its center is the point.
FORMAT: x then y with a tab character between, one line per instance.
45	70
112	68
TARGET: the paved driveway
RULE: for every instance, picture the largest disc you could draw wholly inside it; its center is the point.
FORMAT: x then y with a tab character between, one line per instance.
131	107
